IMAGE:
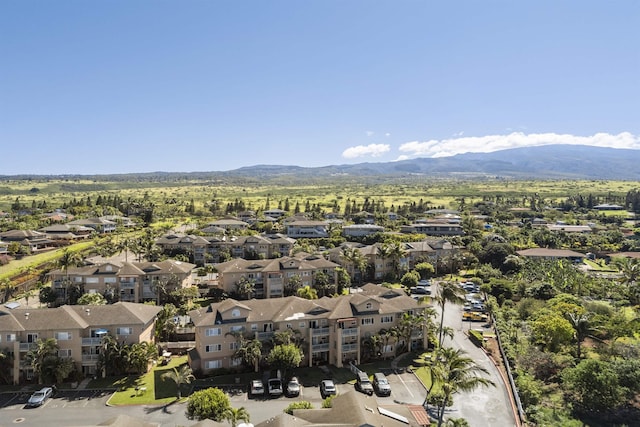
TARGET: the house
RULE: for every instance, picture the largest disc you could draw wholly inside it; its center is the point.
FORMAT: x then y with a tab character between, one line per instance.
608	207
67	232
552	254
78	331
100	225
229	224
274	213
4	248
178	243
307	229
569	228
127	281
434	228
361	230
332	330
271	276
36	241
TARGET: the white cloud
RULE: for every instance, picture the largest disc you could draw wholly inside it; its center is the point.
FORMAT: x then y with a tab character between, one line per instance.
489	143
373	150
370	133
387	134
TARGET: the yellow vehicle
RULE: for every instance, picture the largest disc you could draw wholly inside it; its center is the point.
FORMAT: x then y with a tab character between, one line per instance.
474	316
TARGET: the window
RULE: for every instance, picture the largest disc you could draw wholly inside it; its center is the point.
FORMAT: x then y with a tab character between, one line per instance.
254	326
124	331
237	328
236	361
233	346
213	332
386	319
369	305
63	336
211	348
92	280
11	337
64	352
213	364
367	321
387	349
301	325
109	280
235	313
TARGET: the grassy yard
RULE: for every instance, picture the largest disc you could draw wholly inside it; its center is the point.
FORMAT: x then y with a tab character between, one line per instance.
149	388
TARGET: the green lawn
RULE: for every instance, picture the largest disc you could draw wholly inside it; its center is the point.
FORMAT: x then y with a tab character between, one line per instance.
158	391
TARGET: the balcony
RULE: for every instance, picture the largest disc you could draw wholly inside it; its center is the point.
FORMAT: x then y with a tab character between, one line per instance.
27	346
320	331
90	358
350	332
263	336
127	285
91	342
348	348
316	348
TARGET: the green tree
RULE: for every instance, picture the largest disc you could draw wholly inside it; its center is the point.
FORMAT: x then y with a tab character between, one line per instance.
233	415
285	357
6	366
593	386
425	270
307	292
551	330
410	279
181	375
42	355
322	284
67	260
250	351
210	403
454	372
246	288
292	285
165	325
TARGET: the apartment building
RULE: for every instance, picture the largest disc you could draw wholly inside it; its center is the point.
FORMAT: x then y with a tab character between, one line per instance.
78	331
272	275
331	330
129	281
216	249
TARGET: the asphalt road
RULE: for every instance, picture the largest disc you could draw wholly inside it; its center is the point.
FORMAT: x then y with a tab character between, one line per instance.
482	407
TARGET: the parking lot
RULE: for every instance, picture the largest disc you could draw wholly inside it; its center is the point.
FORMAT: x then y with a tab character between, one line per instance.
62	399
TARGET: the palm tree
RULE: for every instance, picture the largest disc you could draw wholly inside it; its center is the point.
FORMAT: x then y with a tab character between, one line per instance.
454	372
246	287
39	356
250	351
233	415
307	292
292	285
448	292
397	252
184	375
354	258
6	284
322	284
6	366
582	329
68	259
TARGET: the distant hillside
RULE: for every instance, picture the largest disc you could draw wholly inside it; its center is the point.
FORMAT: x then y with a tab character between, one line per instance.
545	162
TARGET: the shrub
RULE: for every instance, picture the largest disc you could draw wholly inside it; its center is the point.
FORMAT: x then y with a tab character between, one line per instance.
303	404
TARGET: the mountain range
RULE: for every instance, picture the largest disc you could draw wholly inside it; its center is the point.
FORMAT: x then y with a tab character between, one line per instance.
542	162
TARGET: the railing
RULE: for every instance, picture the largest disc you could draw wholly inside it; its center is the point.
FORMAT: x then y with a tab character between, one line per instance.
91	342
26	346
320	347
320	331
127	285
186	330
350	332
346	348
90	358
265	335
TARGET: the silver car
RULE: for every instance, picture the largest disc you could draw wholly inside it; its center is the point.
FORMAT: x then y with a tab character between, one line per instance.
39	397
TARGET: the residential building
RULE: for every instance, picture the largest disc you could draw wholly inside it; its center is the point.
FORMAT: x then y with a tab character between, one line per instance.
361	230
229	224
78	331
434	228
67	232
271	276
175	243
552	254
275	213
100	225
307	229
36	241
332	330
128	281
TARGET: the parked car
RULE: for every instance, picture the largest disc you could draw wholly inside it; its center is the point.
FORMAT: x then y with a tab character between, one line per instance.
327	388
424	283
363	384
39	397
420	290
293	387
474	316
275	387
381	384
257	388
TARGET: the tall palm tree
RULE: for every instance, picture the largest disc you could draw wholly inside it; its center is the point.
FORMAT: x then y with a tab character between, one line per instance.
250	351
68	259
233	415
582	329
246	287
447	292
397	253
454	372
183	375
354	259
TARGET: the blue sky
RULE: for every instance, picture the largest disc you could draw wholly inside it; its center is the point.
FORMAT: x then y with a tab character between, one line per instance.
138	86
